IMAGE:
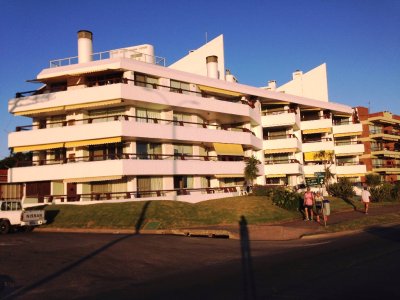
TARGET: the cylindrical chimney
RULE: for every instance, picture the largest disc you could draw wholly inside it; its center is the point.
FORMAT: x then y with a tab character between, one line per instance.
85	46
212	66
229	76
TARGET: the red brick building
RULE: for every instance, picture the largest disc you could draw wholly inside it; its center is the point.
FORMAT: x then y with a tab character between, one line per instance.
381	138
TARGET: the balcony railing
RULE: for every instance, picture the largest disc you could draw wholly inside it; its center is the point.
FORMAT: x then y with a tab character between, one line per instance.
140	194
107	55
344	143
137	83
278	112
338	163
141	156
278	137
392	166
123	117
305	140
315	118
344	122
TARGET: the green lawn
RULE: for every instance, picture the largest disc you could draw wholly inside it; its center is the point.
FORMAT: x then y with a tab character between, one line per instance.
175	214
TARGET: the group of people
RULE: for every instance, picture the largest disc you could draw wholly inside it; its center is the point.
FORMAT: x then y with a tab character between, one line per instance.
322	206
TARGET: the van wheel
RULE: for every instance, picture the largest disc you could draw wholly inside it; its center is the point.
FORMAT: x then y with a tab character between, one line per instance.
4	226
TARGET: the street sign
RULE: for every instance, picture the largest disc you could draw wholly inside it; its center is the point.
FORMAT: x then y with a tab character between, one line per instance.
311	181
319	174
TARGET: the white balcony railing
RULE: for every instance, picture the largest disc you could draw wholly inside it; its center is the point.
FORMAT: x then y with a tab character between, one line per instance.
349	149
286	168
351	169
347	128
282	119
316	124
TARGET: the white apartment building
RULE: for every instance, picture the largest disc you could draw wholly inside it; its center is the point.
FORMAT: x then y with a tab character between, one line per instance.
119	125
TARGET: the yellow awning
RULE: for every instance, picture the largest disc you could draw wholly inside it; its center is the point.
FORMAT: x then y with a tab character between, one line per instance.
38	147
276	175
350	175
117	139
313	156
229	176
38	111
318	130
309	176
218	91
93	104
89	179
228	149
283	150
347	134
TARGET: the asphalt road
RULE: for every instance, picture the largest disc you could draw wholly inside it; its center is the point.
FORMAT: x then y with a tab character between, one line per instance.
103	266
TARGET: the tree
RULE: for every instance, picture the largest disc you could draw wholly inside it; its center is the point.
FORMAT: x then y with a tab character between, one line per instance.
372	180
251	169
11	160
327	159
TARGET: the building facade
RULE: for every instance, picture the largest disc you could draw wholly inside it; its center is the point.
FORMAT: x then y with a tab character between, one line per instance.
120	125
381	137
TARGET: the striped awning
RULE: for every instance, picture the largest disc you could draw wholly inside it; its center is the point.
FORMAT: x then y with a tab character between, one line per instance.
93	104
317	130
38	111
110	140
228	149
218	91
283	150
347	134
90	179
37	147
313	156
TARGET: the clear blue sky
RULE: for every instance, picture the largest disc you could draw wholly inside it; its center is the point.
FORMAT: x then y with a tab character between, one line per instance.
358	39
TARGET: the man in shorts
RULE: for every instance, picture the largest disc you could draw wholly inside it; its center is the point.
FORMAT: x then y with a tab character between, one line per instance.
308	204
365	198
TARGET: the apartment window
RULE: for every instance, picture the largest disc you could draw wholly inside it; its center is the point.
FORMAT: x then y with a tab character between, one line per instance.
106	151
146	80
180	118
277	158
276	135
179	87
147	116
114	186
225	182
182	149
104	79
56	121
375	129
148	150
57	155
147	183
183	182
105	115
58	86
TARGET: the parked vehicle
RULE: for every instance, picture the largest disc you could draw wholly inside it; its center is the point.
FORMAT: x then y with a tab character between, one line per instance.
13	216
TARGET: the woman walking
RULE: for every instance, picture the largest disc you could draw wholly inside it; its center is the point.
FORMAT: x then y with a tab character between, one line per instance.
308	204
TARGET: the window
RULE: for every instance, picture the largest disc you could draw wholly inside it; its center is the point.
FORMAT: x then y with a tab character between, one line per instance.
146	80
147	116
277	158
114	186
147	183
105	115
182	150
57	155
104	79
146	150
107	151
231	182
56	121
180	118
179	87
183	182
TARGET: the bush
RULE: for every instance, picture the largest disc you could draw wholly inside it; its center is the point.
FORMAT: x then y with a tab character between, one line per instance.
287	199
386	192
372	180
342	189
264	190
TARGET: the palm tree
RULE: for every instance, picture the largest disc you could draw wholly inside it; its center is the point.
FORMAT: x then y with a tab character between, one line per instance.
251	169
327	159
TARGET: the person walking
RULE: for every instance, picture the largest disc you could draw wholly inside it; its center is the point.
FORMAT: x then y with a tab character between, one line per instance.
318	205
308	204
366	198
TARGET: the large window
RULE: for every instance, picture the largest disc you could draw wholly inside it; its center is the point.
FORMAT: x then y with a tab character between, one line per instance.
146	150
104	79
105	115
147	183
183	182
182	150
107	151
114	186
180	87
180	118
146	80
147	116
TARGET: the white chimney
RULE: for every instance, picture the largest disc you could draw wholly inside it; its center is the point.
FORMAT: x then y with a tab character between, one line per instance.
271	85
229	76
212	66
85	46
297	74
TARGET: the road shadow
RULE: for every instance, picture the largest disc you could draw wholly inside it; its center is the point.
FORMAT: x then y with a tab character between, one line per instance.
47	279
142	217
249	288
388	233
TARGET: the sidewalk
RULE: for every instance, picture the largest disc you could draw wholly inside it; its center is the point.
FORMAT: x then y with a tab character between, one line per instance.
266	232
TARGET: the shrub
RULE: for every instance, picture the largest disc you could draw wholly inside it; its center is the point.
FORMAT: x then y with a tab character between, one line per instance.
372	180
386	192
287	199
264	190
396	191
342	189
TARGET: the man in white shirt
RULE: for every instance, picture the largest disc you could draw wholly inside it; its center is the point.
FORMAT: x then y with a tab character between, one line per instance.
365	198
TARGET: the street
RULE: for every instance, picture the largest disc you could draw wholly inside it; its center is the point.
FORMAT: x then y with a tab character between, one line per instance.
104	266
